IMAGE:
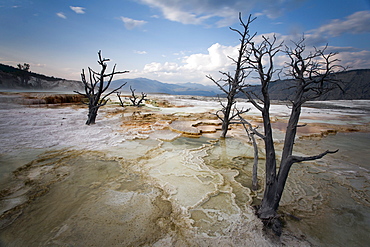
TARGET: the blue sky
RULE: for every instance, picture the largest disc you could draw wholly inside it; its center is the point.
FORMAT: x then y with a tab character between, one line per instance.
172	41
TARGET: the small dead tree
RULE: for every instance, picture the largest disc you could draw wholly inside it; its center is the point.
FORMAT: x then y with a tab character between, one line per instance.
251	132
96	87
313	75
231	84
121	103
135	100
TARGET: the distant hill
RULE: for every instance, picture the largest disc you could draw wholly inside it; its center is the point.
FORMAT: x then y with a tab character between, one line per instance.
13	78
153	86
355	85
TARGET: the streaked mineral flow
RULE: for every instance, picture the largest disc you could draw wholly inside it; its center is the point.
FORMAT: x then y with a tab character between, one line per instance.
160	176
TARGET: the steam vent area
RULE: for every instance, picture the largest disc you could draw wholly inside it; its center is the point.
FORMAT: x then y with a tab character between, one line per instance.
160	175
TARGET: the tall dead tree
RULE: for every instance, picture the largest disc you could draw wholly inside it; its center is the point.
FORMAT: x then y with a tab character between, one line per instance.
313	75
231	84
96	86
256	57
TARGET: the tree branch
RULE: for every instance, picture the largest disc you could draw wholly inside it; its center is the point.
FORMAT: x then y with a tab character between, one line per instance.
296	159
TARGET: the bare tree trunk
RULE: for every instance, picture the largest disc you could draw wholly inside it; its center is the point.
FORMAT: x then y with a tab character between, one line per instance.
255	163
226	119
267	209
91	117
251	132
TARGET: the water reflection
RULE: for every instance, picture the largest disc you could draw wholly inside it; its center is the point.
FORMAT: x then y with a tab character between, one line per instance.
331	196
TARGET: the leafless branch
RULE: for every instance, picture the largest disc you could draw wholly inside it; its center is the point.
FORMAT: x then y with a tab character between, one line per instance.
297	159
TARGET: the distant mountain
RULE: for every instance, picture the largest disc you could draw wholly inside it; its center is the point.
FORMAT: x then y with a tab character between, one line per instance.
153	86
355	85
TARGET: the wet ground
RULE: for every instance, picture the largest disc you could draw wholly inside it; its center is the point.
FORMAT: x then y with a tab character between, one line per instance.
158	176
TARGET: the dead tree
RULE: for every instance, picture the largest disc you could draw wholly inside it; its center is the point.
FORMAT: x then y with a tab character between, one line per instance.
96	87
121	103
251	132
135	100
231	84
313	76
266	51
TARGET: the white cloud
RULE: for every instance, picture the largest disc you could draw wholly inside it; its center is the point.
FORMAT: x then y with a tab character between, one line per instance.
61	15
131	23
140	52
78	10
166	67
197	12
193	68
356	23
355	59
39	65
216	59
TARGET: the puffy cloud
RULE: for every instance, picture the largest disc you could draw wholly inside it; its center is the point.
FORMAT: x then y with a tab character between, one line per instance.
216	59
197	12
193	68
61	15
131	23
158	68
78	10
